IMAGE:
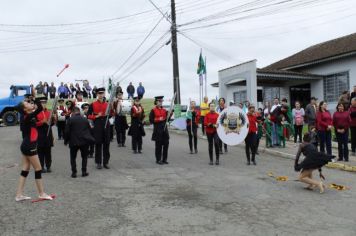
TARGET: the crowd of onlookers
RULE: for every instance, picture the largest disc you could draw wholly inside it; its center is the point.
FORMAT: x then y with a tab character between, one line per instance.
69	90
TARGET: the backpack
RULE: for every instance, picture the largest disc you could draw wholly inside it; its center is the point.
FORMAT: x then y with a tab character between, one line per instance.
299	120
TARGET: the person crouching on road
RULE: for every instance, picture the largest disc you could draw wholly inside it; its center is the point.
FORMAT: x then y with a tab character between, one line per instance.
77	135
251	137
29	150
210	121
192	127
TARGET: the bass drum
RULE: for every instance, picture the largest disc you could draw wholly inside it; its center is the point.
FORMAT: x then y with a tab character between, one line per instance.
59	115
126	107
232	125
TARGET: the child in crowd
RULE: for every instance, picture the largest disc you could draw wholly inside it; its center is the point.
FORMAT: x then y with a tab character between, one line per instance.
268	130
283	131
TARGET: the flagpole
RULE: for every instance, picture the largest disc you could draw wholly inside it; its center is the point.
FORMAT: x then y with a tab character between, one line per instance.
206	80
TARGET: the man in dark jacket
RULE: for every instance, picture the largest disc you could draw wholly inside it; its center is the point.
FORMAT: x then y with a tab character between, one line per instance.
310	113
77	135
52	91
130	90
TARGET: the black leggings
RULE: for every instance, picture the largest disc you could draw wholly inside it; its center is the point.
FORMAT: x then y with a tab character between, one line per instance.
298	130
250	145
213	140
191	135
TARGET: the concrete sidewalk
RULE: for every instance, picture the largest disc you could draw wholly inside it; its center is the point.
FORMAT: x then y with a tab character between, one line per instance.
290	151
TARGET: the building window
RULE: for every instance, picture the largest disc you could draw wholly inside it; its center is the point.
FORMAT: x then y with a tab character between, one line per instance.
240	96
270	93
334	85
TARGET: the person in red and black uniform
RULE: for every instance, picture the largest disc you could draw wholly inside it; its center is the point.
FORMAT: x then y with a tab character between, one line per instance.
251	138
136	130
210	120
341	122
70	105
324	124
85	109
101	133
193	114
61	119
160	135
44	142
29	149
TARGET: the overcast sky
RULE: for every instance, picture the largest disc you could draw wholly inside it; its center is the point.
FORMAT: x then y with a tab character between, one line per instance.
31	53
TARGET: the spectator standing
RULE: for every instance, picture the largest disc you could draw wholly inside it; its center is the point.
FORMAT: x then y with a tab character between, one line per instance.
341	122
77	89
52	91
61	90
68	92
130	90
298	121
86	89
310	113
204	109
118	89
345	99
352	112
353	94
274	119
267	109
32	91
324	124
45	89
72	90
39	88
94	92
140	91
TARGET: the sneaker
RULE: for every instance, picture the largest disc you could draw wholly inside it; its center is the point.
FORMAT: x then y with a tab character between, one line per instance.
165	162
106	167
22	198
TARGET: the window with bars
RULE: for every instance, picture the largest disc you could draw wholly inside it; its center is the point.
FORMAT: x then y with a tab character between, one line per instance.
240	96
334	85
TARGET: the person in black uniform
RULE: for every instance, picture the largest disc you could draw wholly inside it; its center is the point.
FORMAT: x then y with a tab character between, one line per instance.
160	135
85	108
45	142
101	133
27	98
136	130
120	121
61	119
77	135
29	149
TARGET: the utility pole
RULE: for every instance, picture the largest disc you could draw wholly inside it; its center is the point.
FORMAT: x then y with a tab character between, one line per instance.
176	85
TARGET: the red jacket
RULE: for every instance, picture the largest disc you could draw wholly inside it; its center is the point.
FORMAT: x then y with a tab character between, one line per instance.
42	116
98	107
323	120
197	118
252	119
341	120
210	118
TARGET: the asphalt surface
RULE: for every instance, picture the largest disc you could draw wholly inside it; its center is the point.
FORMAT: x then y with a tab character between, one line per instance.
186	197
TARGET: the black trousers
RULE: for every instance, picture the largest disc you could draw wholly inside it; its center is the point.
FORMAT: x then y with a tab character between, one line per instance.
45	156
213	140
84	150
61	125
353	138
202	124
52	95
161	145
221	145
102	153
120	132
250	145
191	135
298	129
136	142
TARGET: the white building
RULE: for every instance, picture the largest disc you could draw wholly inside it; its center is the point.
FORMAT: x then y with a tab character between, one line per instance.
324	71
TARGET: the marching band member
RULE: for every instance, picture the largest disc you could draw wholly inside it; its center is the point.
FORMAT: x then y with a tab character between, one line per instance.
120	121
44	142
29	149
136	130
96	113
219	109
85	109
158	117
251	137
210	121
193	118
61	119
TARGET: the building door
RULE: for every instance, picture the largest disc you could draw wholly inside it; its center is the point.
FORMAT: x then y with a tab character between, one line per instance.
300	93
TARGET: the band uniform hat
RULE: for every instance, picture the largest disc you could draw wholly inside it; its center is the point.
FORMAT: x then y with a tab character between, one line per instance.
84	105
100	90
158	98
136	98
41	99
69	102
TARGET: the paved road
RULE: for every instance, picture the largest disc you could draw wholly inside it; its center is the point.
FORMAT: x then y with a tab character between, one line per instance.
186	197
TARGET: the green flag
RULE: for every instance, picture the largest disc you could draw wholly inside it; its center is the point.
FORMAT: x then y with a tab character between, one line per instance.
110	86
201	65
